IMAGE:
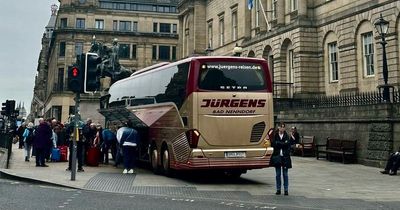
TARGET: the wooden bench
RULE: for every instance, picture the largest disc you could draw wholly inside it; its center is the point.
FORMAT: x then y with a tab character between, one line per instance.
346	149
306	145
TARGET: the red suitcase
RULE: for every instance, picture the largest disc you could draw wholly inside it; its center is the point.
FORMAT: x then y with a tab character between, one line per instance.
92	158
64	153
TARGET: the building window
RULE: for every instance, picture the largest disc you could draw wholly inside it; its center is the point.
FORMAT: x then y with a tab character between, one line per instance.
60	80
221	31
234	26
63	23
154	53
135	26
115	25
155	27
174	28
165	28
173	53
99	24
333	61
78	48
210	34
257	18
164	52
273	9
134	51
293	5
56	112
125	25
62	49
368	54
80	23
124	51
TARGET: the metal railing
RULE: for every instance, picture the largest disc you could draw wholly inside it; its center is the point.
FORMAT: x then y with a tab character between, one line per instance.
341	100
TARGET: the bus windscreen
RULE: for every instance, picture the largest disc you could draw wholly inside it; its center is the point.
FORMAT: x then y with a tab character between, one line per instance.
231	76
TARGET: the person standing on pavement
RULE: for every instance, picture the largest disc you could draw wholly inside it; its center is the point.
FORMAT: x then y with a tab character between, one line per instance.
393	164
127	138
109	139
41	142
28	139
20	132
79	148
281	158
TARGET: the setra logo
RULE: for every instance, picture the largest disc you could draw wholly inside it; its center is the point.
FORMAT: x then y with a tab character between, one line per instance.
233	103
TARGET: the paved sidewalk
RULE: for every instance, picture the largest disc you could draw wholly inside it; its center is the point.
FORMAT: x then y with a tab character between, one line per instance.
54	174
309	177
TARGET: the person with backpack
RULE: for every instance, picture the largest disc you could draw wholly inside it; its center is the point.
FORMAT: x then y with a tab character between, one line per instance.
28	136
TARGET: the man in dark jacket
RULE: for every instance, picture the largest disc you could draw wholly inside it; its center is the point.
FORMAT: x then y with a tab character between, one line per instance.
42	141
393	164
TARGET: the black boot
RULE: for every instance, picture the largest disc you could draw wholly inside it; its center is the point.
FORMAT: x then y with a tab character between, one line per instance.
26	159
278	192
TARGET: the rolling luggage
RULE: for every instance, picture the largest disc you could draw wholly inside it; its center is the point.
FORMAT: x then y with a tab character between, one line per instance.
55	155
92	158
64	153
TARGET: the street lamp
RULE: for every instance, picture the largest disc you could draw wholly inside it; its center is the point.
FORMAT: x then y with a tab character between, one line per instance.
382	26
237	50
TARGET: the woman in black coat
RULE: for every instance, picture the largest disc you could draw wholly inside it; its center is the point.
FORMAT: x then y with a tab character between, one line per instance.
281	158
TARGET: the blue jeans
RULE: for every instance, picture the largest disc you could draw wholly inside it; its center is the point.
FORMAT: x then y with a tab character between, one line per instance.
129	156
278	171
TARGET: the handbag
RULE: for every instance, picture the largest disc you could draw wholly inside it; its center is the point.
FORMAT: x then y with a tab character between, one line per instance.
267	143
15	139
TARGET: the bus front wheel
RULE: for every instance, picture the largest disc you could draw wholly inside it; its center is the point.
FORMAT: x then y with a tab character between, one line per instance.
154	160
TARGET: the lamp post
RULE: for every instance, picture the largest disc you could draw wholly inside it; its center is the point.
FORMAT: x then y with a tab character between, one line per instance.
237	50
382	26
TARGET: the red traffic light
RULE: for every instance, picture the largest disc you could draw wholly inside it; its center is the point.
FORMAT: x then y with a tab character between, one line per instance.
75	72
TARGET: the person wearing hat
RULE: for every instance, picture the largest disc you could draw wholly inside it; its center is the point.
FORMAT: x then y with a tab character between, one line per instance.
28	139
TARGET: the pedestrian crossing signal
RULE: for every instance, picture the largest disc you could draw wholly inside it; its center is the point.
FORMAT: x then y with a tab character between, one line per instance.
75	79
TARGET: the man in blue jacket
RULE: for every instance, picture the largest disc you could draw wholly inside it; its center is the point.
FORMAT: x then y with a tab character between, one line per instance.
127	139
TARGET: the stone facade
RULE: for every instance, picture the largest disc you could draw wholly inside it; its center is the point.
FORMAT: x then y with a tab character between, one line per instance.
146	33
296	41
375	127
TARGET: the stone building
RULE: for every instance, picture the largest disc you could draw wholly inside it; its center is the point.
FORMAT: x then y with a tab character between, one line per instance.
314	48
146	31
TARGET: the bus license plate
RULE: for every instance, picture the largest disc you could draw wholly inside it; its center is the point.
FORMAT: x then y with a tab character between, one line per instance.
235	154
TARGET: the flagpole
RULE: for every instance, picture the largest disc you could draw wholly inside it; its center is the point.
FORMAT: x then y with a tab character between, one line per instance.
265	15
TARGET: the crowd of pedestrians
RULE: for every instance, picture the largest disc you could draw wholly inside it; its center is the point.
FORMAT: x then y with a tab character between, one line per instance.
94	143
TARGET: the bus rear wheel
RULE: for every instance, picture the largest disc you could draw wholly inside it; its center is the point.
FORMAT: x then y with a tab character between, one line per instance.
165	162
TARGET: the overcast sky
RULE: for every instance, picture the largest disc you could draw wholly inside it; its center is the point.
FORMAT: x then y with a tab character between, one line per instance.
22	24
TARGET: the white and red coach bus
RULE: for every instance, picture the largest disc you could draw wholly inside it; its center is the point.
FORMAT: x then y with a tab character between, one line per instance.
198	113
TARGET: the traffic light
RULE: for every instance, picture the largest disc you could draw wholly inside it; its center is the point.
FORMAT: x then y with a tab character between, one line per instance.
8	108
75	79
92	80
4	109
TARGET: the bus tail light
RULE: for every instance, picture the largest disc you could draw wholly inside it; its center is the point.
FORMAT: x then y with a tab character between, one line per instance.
193	137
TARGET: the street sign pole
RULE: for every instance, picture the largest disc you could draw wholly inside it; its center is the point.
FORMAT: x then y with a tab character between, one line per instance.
75	138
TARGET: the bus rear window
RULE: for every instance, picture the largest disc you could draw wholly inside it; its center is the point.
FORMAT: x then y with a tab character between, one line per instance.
231	76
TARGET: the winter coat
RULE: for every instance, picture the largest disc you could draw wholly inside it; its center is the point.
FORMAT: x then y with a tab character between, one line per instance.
281	144
43	136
